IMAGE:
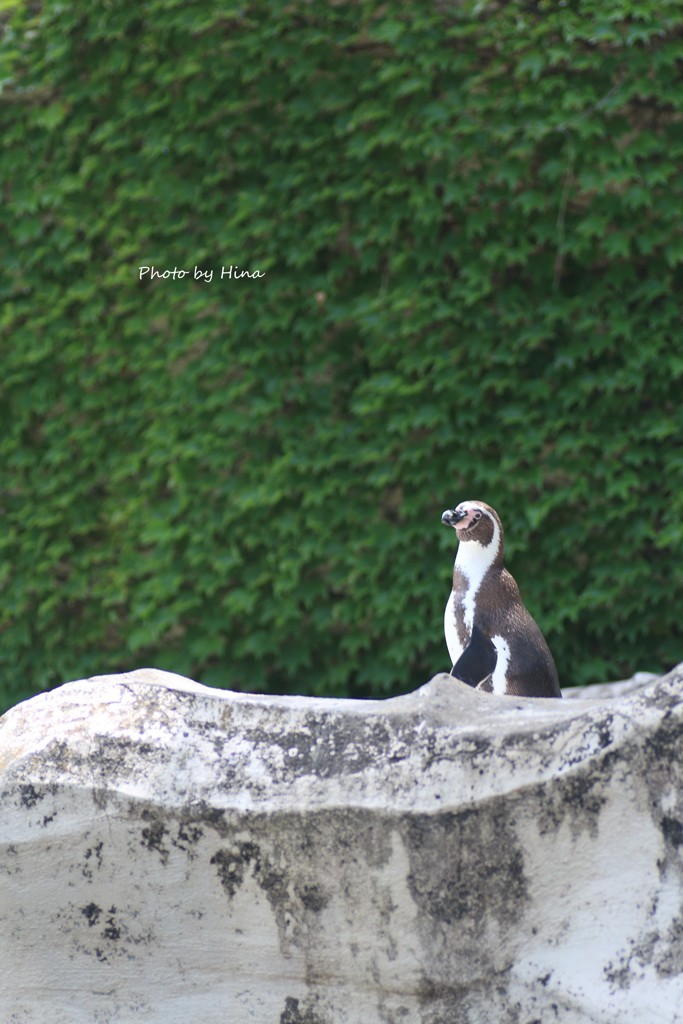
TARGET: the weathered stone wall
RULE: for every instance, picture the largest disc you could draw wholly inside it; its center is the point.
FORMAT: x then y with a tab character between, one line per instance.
171	853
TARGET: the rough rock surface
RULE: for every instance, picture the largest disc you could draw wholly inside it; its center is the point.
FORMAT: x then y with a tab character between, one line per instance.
172	853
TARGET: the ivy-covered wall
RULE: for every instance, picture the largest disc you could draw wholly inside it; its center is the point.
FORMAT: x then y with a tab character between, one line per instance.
466	219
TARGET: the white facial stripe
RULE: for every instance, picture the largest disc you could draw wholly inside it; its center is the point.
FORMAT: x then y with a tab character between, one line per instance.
499	676
474	561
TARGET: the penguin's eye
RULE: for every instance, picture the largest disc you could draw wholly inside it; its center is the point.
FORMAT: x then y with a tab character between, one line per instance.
477	515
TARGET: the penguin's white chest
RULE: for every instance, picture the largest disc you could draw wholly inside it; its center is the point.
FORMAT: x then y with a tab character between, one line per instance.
473	561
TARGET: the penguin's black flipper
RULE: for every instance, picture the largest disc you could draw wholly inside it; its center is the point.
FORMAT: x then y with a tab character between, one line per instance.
477	661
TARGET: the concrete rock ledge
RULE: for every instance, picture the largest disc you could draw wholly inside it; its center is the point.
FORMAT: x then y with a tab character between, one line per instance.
172	853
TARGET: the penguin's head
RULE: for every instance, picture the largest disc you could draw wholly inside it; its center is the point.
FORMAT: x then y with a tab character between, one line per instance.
474	520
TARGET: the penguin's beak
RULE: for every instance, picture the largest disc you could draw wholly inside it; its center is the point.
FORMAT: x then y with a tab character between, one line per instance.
451	517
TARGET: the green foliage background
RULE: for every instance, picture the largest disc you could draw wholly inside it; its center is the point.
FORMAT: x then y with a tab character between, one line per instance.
469	220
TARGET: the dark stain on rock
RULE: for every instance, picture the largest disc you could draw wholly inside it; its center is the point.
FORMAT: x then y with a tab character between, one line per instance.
187	838
233	864
663	951
273	883
355	832
665	744
111	930
294	1013
671	964
97	851
443	1003
29	795
153	836
212	817
579	796
619	976
580	793
91	913
92	858
313	898
673	831
466	866
230	869
604	729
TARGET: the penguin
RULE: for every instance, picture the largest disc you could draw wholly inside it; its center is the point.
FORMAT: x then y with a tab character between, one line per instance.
493	642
